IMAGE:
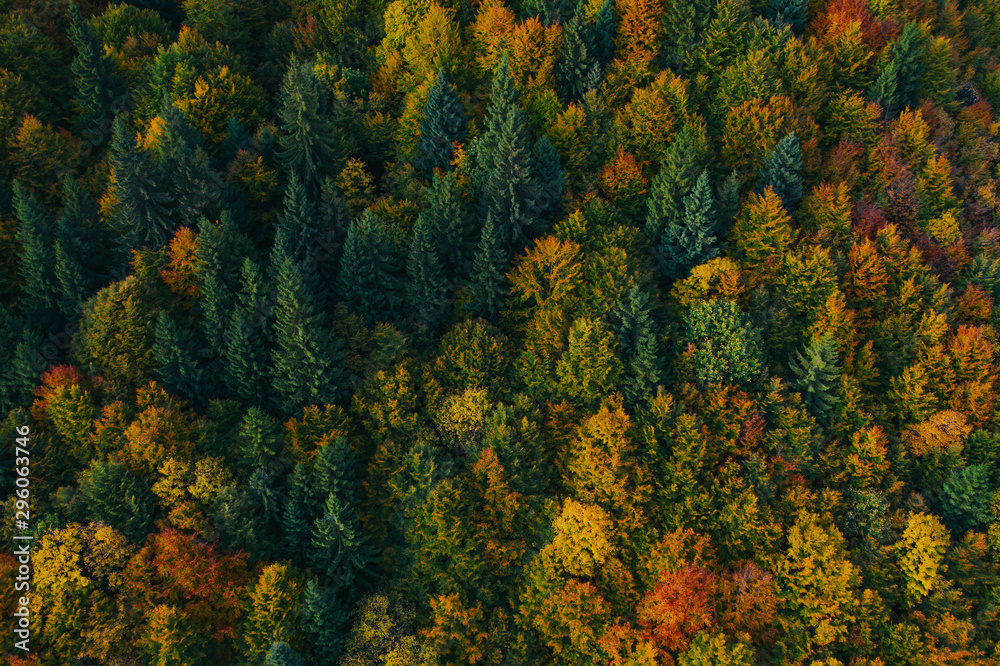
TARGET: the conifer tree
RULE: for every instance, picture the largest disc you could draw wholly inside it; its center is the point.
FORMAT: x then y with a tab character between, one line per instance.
884	89
307	142
84	239
100	93
443	126
426	287
369	271
450	224
665	206
690	241
489	281
281	654
301	231
72	286
34	233
247	345
297	515
324	621
217	297
18	371
339	548
194	188
782	171
908	55
793	13
141	213
817	375
763	230
683	23
177	361
639	345
576	60
604	32
307	361
549	177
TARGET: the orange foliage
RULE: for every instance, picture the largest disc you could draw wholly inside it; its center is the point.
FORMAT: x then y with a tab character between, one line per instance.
181	265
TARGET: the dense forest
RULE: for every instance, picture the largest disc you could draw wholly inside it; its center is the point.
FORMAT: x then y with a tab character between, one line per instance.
571	332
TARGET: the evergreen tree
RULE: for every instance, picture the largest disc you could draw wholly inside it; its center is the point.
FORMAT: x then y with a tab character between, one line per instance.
247	345
683	23
908	55
34	233
576	60
140	214
489	281
121	499
549	177
426	289
966	498
281	654
339	549
307	142
450	224
782	171
443	126
301	232
297	515
307	361
194	187
18	368
884	89
325	620
793	13
665	206
817	375
72	286
216	293
691	242
369	271
100	93
84	239
639	345
603	37
178	363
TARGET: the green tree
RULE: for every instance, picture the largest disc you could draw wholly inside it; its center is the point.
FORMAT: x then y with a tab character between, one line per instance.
603	33
451	225
966	498
590	369
34	233
817	374
576	69
793	13
120	499
72	286
426	288
782	171
489	280
640	347
690	241
369	271
193	186
683	23
442	127
324	620
306	141
248	340
339	548
301	231
722	345
281	655
176	360
141	211
666	209
100	92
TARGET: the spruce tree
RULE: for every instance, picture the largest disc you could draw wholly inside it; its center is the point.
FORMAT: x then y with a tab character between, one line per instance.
281	654
549	177
908	55
426	288
194	187
489	280
576	60
691	241
640	347
884	89
793	13
247	345
301	231
72	286
369	280
450	225
325	619
18	371
443	126
817	374
339	549
84	239
177	361
683	23
298	515
782	171
603	36
141	210
307	361
665	206
307	142
216	293
34	233
100	93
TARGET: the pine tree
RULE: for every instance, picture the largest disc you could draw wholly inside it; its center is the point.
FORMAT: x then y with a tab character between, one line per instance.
683	23
450	224
426	287
301	231
443	126
72	286
576	59
216	292
34	233
339	548
793	13
194	187
325	621
604	32
307	361
18	369
100	93
84	239
665	206
549	177
692	241
177	362
884	89
489	281
140	214
640	347
817	375
248	341
763	230
297	515
782	171
908	55
307	141
369	271
281	654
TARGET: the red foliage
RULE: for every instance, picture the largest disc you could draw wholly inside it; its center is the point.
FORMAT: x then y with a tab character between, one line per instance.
681	605
53	379
747	602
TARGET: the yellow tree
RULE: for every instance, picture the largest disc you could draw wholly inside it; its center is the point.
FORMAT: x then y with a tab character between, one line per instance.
273	615
921	554
763	231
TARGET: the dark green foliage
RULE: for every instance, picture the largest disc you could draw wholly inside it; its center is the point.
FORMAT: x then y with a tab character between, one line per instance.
683	23
34	233
691	241
639	345
674	181
141	213
443	125
195	189
426	288
324	618
603	33
550	178
724	347
307	361
282	655
868	516
117	497
907	53
84	239
489	281
339	550
782	171
982	447
966	498
576	60
369	271
884	89
18	363
221	249
300	231
247	342
793	13
100	93
177	361
817	375
307	137
451	225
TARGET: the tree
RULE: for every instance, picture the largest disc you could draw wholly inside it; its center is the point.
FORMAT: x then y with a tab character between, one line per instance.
817	374
273	615
442	127
280	654
195	189
782	172
301	233
590	368
178	363
672	184
690	241
369	271
307	361
426	287
640	347
602	33
721	344
121	499
307	143
248	340
763	231
100	92
40	283
489	282
966	498
576	68
450	224
921	554
339	549
324	622
140	212
712	649
793	13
